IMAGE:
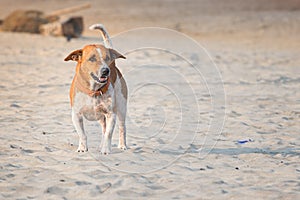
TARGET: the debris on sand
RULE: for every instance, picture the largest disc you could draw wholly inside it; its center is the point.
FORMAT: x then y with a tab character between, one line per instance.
24	21
35	21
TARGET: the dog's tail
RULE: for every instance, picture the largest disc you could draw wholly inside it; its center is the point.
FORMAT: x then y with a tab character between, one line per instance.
105	36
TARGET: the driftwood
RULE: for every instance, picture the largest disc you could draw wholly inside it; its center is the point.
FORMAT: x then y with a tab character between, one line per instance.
34	21
70	10
72	28
24	21
53	28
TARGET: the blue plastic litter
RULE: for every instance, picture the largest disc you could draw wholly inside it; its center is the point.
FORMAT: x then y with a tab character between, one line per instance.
244	141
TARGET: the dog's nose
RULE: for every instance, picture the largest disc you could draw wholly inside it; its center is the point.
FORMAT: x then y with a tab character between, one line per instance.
104	71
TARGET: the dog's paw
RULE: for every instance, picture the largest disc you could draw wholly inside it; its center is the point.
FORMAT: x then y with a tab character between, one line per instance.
122	147
105	147
82	148
105	150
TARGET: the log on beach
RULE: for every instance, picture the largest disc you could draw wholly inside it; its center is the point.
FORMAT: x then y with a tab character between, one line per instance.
24	21
34	21
70	10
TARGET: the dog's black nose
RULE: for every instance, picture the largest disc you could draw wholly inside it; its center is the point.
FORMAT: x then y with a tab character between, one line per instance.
104	71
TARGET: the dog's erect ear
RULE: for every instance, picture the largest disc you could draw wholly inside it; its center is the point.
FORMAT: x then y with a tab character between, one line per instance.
75	55
115	55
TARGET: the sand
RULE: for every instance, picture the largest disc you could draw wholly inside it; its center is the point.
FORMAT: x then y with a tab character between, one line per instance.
213	109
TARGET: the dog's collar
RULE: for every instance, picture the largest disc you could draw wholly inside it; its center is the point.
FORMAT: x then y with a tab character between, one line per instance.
93	93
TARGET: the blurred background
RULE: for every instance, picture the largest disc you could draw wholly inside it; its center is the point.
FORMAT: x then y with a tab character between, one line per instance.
218	19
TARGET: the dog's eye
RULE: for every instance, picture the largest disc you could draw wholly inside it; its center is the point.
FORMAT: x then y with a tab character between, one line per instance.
93	58
106	59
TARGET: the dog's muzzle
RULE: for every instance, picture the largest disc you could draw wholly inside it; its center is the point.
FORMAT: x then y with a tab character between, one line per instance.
103	78
104	74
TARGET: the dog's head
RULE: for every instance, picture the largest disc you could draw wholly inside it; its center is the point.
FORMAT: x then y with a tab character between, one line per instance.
94	62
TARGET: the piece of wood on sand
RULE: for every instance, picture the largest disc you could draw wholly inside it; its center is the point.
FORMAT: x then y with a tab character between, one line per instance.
72	28
70	10
34	21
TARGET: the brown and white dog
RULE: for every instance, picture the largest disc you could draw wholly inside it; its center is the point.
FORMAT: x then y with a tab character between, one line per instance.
98	92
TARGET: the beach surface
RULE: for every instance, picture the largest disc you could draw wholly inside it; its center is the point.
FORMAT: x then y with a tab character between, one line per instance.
213	107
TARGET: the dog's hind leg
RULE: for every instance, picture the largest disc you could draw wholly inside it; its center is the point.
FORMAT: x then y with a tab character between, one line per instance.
122	131
121	114
121	104
78	123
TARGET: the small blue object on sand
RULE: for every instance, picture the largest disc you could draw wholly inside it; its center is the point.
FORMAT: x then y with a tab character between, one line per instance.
244	141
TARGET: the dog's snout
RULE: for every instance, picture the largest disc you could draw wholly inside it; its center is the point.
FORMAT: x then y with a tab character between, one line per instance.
104	71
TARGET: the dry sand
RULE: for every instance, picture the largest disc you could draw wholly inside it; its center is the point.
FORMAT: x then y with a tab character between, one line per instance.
183	131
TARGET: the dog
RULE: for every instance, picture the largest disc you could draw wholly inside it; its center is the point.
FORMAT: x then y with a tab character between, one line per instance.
98	92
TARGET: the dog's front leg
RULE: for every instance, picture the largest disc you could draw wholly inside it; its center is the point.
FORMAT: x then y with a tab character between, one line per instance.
106	138
78	123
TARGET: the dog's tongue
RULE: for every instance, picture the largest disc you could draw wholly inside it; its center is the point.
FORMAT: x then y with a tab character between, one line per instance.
102	79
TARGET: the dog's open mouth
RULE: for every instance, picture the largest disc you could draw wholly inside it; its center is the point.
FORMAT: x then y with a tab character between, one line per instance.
101	80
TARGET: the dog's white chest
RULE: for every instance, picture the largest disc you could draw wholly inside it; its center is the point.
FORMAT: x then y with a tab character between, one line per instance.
93	108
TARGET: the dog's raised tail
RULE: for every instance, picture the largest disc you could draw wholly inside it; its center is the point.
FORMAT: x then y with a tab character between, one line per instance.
106	39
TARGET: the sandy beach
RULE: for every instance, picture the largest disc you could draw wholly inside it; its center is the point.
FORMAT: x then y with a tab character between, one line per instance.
213	107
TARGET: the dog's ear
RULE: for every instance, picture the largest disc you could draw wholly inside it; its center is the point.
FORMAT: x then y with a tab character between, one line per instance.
75	55
115	55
